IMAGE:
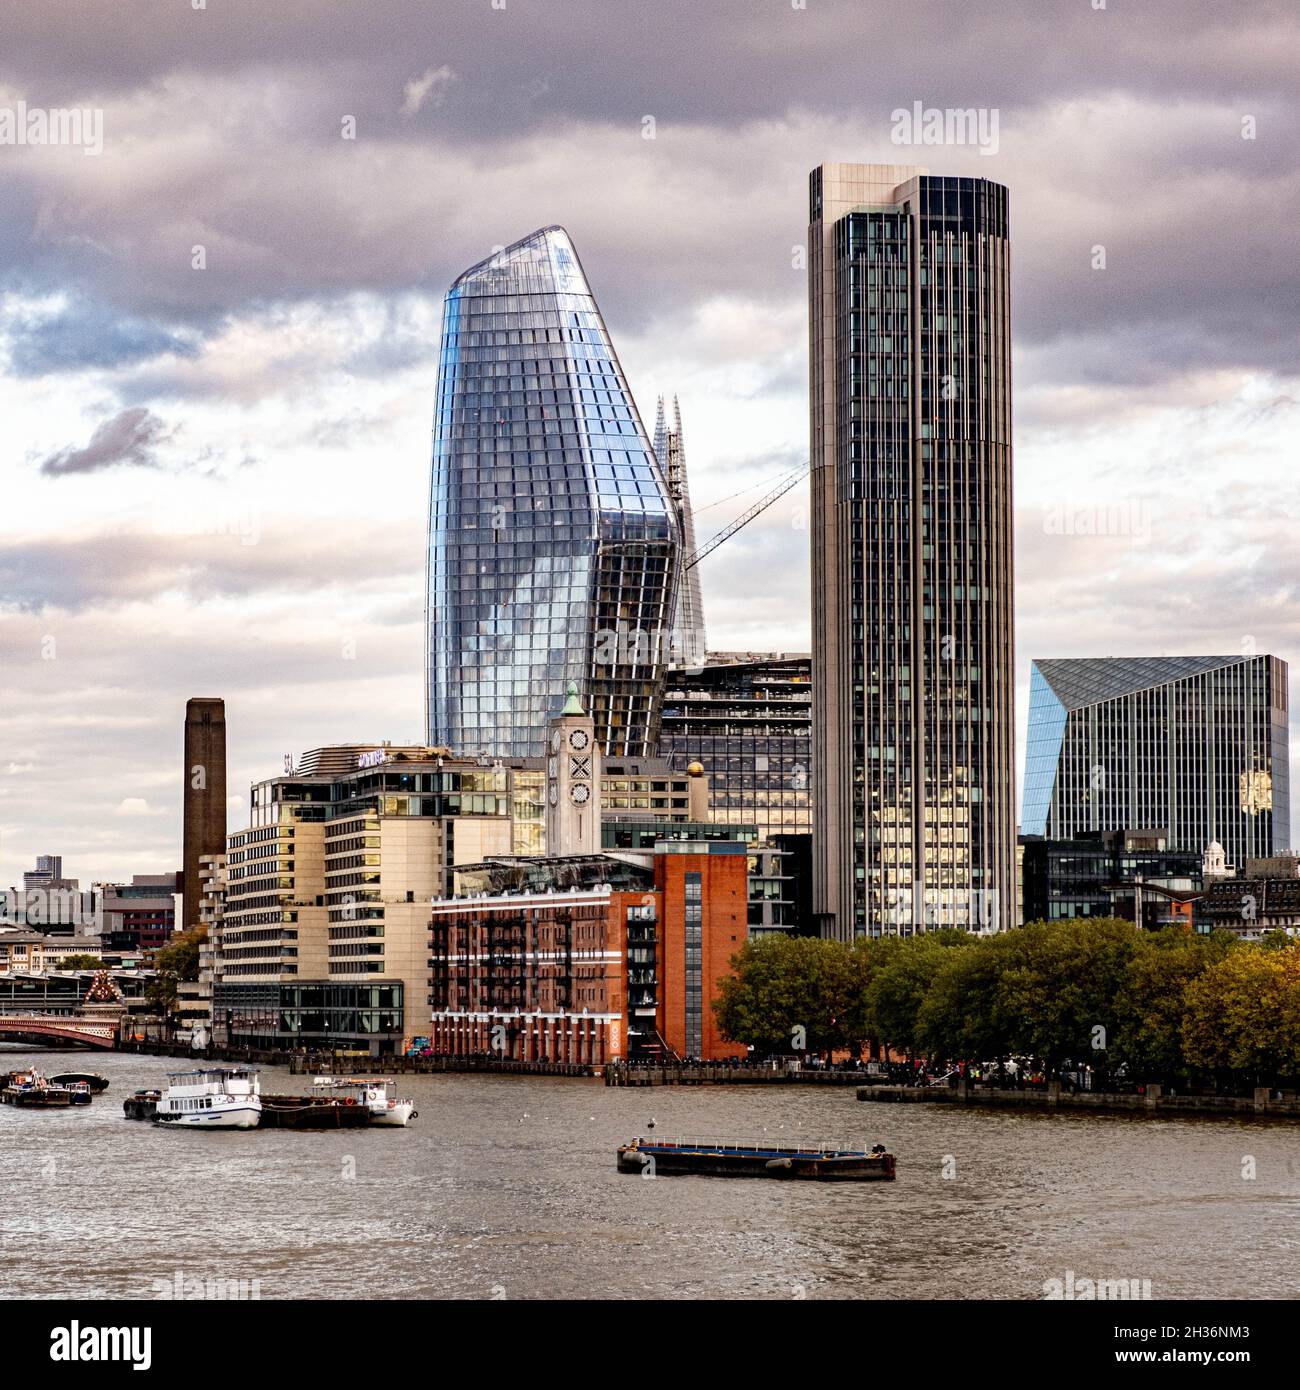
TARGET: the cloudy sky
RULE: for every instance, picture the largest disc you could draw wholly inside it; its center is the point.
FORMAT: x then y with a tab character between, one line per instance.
218	344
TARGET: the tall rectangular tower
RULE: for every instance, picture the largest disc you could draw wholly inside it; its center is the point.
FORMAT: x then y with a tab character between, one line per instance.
204	798
913	685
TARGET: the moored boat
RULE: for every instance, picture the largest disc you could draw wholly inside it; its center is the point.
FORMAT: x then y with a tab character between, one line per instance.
755	1158
370	1094
97	1084
312	1112
211	1098
30	1090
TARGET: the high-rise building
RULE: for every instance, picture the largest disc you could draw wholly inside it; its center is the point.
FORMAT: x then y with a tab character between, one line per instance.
913	689
1194	744
688	610
553	545
204	799
746	717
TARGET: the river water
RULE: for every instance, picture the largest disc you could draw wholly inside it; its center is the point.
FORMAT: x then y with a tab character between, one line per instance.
505	1187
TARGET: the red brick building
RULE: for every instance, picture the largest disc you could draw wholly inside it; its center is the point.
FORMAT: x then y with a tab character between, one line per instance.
590	959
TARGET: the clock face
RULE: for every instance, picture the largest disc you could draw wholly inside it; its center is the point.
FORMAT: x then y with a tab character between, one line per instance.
554	794
579	739
579	794
555	741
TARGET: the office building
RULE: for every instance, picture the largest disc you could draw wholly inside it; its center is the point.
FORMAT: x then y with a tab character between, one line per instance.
140	916
322	923
203	798
1086	876
553	544
913	685
589	958
1197	745
746	718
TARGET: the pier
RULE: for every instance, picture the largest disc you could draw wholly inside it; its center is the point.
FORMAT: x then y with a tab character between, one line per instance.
1152	1100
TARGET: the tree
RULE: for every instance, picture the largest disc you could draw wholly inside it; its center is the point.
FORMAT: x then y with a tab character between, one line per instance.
178	960
905	972
1243	1014
1058	987
791	994
81	962
1152	1000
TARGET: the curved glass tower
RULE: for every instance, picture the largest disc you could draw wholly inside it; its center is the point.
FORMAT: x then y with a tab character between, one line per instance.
552	544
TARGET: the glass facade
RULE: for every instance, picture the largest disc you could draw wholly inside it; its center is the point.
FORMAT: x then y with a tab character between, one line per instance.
749	722
912	563
1197	745
689	642
553	545
1072	878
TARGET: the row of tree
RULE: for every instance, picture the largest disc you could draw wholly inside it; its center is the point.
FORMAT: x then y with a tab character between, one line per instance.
1168	1005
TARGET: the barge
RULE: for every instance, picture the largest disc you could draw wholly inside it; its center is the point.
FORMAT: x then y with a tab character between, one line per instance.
312	1112
30	1090
754	1158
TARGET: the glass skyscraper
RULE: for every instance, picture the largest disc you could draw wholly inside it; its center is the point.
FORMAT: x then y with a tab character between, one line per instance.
1195	746
913	688
553	546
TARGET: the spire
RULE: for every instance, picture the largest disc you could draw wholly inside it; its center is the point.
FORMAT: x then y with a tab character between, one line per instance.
572	705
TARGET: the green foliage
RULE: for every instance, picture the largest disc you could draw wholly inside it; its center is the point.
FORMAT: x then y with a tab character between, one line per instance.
178	960
82	962
1167	1005
790	989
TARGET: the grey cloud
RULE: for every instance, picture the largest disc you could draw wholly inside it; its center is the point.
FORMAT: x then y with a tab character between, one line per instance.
131	437
89	335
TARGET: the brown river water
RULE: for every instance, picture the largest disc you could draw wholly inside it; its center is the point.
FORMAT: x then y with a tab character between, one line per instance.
505	1188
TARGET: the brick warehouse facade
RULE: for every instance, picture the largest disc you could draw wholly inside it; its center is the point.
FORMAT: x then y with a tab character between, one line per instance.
592	973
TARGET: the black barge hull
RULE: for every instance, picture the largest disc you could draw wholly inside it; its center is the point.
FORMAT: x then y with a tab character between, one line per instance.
669	1161
308	1112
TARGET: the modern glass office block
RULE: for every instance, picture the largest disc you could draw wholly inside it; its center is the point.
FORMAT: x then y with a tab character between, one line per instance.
553	547
913	687
1194	744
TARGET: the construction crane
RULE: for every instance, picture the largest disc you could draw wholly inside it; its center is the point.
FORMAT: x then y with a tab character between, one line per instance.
745	518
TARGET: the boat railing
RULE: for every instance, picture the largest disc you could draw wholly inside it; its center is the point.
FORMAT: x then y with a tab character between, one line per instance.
708	1141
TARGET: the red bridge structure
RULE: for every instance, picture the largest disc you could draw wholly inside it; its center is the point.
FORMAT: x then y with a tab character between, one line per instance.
95	1026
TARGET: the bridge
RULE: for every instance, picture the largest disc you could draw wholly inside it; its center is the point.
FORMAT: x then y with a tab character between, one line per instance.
97	1029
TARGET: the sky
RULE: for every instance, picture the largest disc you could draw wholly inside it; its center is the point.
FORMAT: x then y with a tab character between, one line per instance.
220	300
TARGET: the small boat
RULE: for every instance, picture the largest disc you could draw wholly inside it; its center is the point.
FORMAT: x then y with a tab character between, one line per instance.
371	1095
212	1098
143	1105
98	1084
80	1093
754	1158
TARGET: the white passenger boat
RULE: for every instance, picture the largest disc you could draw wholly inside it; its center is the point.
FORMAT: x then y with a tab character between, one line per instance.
372	1092
215	1098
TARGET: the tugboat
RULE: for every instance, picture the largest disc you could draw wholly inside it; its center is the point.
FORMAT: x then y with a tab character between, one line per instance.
80	1092
143	1105
372	1095
215	1098
755	1158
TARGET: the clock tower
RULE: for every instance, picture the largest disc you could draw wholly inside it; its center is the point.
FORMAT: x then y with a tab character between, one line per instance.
572	781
